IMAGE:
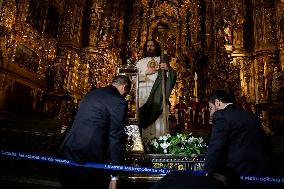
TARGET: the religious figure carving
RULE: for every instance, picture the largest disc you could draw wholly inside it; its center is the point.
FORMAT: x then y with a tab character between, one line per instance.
49	74
180	109
54	77
59	75
105	30
228	33
281	24
276	83
238	32
95	18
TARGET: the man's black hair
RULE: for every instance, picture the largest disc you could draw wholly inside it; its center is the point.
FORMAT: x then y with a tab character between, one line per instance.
157	48
223	96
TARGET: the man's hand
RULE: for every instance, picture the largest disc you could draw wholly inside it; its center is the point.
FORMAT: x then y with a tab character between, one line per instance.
113	184
151	71
164	66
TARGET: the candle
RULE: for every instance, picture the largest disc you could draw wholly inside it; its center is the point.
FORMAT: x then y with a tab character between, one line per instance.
68	81
195	85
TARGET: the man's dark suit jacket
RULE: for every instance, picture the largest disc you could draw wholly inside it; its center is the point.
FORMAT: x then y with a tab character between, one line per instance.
238	141
186	180
97	134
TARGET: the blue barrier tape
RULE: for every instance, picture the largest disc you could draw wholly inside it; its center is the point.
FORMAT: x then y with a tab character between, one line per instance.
146	170
56	160
262	179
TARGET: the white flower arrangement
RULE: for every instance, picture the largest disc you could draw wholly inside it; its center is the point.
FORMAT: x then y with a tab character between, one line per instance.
180	144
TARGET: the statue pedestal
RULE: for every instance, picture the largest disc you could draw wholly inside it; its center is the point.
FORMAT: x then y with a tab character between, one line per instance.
177	162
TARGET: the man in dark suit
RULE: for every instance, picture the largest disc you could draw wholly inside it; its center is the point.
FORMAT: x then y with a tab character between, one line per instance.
237	140
97	135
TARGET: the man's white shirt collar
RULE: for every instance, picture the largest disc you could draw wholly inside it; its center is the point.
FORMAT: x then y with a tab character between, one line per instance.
227	105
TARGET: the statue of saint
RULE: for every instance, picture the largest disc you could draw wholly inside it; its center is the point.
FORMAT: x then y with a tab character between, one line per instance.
49	77
59	75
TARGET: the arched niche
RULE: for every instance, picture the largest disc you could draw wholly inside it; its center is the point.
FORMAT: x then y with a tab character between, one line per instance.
52	22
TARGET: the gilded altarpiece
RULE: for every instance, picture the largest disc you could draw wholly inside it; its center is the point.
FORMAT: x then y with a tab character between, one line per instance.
21	50
234	45
64	66
280	31
27	49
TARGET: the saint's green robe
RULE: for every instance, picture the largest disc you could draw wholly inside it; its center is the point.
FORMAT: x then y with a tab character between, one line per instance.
153	107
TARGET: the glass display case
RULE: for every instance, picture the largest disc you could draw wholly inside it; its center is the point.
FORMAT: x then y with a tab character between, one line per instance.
134	142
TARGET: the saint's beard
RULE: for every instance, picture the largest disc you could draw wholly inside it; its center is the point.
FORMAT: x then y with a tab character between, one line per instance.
151	52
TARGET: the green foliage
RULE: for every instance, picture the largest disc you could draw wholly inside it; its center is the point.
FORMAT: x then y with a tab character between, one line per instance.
180	144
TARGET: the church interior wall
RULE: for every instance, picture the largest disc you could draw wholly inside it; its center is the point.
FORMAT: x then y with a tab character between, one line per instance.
65	48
